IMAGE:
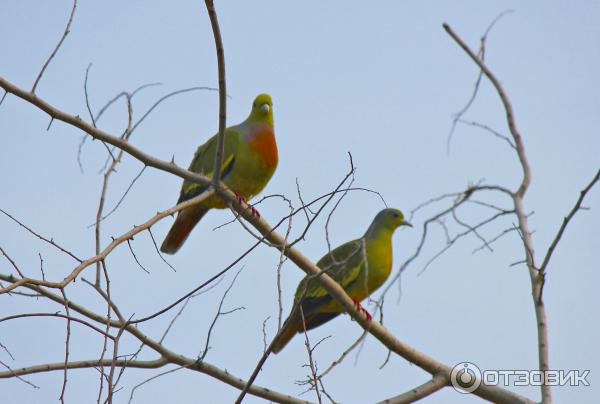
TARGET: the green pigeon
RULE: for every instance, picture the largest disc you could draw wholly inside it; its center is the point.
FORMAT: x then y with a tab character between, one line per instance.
360	266
249	161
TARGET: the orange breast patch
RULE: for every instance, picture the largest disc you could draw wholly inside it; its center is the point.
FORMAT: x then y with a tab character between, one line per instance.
265	146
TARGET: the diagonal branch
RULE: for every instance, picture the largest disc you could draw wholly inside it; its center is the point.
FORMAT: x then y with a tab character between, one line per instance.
99	134
64	35
566	221
49	241
438	382
115	242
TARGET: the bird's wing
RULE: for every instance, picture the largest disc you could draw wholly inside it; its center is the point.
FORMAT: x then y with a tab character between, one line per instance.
343	264
204	162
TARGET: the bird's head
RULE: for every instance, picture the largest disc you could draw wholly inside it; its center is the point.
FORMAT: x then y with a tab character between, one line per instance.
390	219
262	109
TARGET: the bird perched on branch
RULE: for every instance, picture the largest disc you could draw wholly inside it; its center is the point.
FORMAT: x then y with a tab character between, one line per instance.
359	266
249	161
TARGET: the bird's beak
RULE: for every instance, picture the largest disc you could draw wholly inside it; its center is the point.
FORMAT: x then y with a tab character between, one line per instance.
405	223
265	108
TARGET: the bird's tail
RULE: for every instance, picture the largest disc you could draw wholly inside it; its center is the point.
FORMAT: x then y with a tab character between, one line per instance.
181	229
284	336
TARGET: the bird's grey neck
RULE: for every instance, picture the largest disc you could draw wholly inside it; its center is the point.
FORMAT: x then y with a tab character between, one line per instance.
252	129
377	231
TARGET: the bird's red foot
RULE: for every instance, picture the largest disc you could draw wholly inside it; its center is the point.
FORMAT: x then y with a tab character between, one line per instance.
241	200
361	309
254	211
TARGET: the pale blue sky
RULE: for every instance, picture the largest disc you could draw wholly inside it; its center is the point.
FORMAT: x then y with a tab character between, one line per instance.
381	82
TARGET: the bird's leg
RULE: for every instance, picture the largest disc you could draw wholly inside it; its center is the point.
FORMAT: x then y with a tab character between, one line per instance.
361	309
254	211
241	200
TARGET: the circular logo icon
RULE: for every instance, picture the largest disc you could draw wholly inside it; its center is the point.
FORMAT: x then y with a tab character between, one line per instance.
465	377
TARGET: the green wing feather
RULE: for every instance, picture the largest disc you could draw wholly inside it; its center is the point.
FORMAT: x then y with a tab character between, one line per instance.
204	162
343	264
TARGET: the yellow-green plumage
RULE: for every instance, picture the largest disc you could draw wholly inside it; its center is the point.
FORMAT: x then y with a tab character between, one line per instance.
360	266
249	161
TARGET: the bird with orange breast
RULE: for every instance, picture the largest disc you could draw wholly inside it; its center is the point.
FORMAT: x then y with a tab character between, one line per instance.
249	161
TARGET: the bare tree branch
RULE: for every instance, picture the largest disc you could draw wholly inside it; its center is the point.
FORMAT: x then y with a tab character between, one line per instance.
115	242
7	350
537	277
214	23
58	315
92	363
481	53
490	130
311	363
219	313
137	386
135	256
49	241
67	342
507	107
438	382
566	221
64	35
158	251
14	374
167	355
341	358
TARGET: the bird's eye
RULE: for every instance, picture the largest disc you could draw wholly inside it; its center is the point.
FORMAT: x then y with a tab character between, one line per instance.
265	108
395	215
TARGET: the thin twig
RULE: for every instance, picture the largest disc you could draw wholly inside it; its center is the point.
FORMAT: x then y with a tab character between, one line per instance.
12	373
62	38
264	333
311	363
490	130
135	257
151	379
566	221
49	241
67	342
158	251
164	98
341	358
57	315
87	104
282	259
12	262
330	196
137	177
7	351
204	352
481	53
